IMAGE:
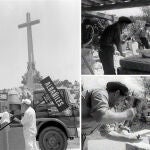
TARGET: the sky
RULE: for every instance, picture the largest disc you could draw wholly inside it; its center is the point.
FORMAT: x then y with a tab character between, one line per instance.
56	40
134	83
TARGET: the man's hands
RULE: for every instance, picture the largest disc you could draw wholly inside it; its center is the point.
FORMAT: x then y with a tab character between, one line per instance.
17	120
135	138
119	54
124	128
124	137
13	117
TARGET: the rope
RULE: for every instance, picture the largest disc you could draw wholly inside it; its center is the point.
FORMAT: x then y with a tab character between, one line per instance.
10	122
5	125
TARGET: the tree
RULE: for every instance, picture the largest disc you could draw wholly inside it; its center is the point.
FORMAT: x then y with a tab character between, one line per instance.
146	13
146	83
57	82
66	83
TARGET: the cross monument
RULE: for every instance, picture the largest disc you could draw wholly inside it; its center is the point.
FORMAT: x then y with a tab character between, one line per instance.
32	74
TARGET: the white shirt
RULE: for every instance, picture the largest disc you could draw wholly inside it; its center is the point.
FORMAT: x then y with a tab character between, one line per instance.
29	122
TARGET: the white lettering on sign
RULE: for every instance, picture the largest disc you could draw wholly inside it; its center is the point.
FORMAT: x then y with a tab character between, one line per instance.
54	94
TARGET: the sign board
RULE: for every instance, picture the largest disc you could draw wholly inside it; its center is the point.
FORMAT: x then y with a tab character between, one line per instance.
3	96
54	94
47	99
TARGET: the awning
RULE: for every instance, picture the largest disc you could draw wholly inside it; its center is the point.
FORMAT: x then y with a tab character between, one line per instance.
98	5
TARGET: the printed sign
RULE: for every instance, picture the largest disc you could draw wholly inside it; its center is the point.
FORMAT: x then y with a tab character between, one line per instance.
3	96
54	94
47	99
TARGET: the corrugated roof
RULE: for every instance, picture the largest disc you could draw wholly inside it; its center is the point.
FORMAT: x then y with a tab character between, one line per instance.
97	5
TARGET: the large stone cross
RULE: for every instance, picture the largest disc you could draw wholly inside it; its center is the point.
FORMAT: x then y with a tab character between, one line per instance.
28	24
29	77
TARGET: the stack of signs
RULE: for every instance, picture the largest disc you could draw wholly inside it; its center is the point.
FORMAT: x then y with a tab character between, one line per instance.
53	94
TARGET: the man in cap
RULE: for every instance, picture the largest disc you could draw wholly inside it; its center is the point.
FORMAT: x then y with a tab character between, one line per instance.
29	125
109	38
97	113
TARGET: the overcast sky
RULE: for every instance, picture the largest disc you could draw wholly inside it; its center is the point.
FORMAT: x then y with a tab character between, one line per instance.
56	40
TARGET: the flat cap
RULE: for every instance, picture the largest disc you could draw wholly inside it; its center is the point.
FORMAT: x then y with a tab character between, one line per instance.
125	20
114	86
26	101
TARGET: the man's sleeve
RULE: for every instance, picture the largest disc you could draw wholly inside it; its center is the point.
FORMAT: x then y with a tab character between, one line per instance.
25	119
99	104
116	38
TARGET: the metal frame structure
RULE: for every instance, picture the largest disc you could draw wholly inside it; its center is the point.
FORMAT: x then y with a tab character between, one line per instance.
98	5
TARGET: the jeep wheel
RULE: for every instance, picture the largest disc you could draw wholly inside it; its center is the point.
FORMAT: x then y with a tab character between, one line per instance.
52	138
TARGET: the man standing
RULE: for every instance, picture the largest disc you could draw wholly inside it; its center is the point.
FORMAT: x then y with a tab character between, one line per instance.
109	38
29	125
97	113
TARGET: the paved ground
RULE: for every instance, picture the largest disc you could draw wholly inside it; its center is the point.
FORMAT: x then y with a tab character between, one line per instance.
16	141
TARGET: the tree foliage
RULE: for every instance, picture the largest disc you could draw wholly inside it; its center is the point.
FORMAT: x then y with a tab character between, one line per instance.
146	13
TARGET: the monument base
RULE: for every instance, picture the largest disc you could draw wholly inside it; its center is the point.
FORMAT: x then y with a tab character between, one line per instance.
134	65
105	144
137	63
124	71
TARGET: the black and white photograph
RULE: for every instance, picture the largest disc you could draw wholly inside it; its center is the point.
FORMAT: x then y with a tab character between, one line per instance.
115	37
75	75
40	74
115	112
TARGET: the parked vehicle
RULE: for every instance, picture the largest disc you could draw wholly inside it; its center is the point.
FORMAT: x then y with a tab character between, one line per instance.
54	127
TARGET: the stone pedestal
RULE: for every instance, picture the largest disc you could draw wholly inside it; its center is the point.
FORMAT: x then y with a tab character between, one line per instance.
135	147
105	144
143	145
134	65
123	71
